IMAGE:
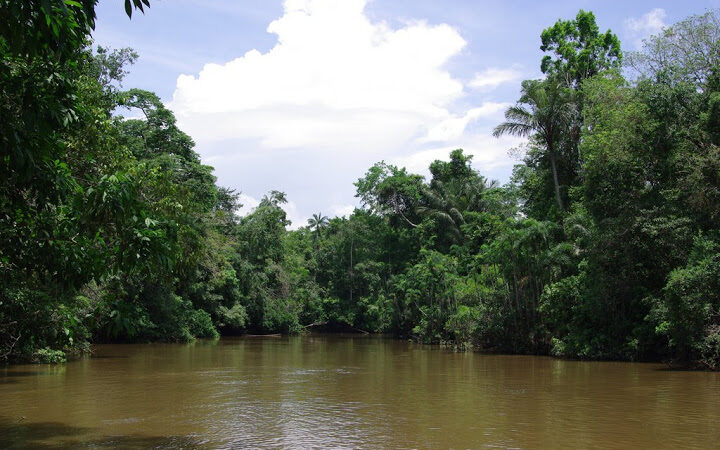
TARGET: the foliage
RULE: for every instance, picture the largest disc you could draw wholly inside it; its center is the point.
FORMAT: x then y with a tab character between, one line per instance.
689	310
49	356
581	51
604	245
545	112
688	51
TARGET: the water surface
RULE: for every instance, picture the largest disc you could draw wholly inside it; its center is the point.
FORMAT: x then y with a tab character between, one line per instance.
351	392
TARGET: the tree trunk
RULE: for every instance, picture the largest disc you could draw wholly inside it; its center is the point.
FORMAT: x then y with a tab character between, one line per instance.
352	244
553	164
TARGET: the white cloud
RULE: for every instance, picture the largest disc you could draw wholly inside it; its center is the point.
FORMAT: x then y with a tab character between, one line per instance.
248	204
337	93
342	210
334	80
453	127
489	154
493	77
647	25
291	211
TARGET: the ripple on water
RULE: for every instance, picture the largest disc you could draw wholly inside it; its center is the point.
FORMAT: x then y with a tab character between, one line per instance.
354	393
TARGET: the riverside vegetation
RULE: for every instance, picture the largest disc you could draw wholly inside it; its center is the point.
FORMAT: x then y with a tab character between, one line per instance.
605	244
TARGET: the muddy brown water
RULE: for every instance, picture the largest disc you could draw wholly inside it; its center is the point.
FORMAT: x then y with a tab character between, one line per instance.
351	392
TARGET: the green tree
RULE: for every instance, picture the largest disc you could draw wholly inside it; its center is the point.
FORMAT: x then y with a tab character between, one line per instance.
318	222
545	112
686	51
388	190
580	50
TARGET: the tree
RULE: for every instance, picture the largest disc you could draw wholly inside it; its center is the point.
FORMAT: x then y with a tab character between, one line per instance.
458	179
454	190
439	206
686	51
580	50
545	112
318	222
390	191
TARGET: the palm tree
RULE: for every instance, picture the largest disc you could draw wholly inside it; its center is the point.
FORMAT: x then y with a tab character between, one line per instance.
441	206
545	110
446	202
318	222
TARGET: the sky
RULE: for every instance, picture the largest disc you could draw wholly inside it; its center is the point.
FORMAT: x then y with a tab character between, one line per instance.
303	96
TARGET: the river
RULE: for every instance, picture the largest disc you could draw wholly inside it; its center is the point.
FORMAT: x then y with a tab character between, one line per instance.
331	391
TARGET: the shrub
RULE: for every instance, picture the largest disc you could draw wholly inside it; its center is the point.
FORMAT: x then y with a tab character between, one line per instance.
200	325
49	356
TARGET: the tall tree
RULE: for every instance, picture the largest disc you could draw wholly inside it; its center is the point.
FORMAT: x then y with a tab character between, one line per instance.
686	51
317	222
580	50
545	112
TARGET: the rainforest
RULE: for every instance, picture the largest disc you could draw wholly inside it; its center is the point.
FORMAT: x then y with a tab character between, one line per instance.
604	245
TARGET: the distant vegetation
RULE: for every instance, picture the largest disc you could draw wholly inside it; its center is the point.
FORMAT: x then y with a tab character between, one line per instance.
605	243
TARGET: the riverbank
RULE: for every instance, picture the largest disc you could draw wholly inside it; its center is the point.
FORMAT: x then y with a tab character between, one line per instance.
55	357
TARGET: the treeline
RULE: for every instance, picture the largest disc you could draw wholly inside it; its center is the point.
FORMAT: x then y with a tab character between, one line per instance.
604	245
111	229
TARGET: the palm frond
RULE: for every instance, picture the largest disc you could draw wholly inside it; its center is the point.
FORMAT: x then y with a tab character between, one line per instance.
513	128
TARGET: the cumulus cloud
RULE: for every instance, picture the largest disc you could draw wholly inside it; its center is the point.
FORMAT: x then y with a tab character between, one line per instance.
334	79
493	77
336	93
453	127
489	154
645	26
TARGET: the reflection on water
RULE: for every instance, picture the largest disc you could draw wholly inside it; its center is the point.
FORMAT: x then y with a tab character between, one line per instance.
350	391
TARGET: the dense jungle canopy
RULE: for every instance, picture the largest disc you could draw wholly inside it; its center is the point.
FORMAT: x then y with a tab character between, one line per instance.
605	244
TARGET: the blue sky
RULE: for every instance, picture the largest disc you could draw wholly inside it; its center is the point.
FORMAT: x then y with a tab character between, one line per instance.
304	95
